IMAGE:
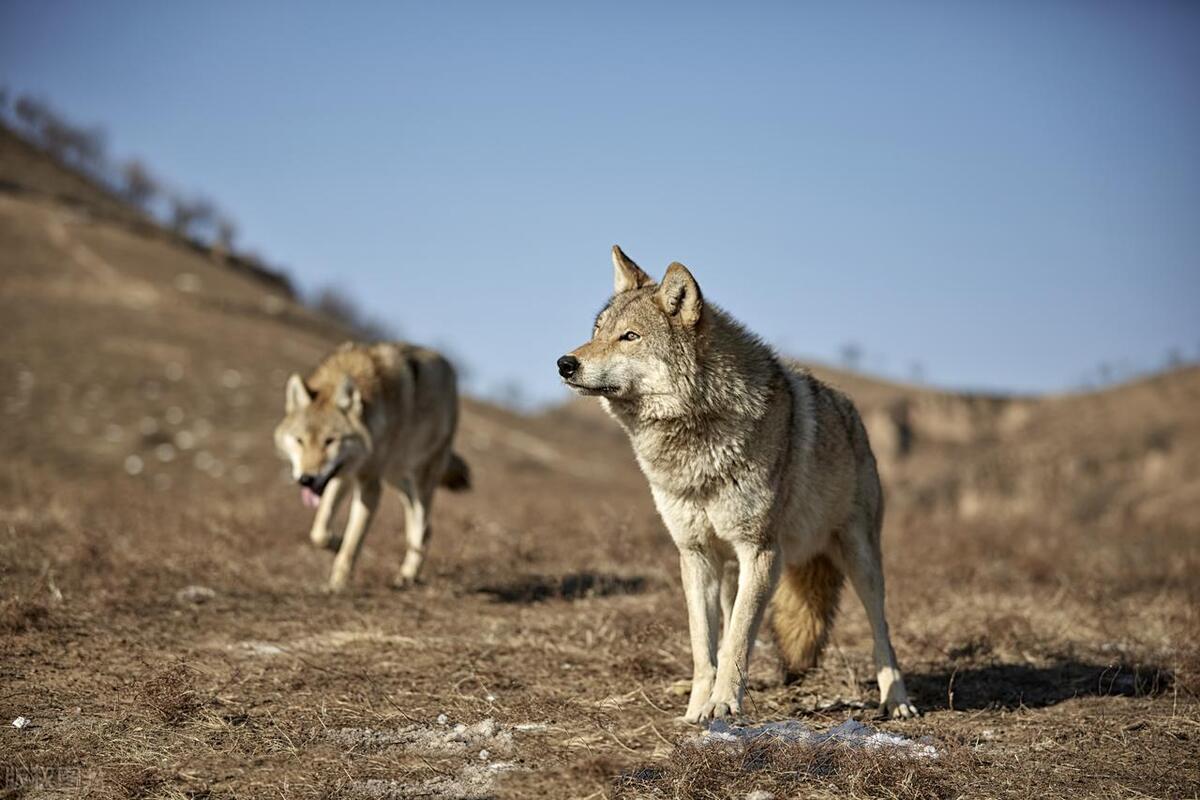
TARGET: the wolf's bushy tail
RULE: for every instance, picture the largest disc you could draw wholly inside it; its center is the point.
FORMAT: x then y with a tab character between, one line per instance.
457	476
802	613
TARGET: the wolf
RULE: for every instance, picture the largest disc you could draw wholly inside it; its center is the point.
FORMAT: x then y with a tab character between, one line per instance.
367	415
762	474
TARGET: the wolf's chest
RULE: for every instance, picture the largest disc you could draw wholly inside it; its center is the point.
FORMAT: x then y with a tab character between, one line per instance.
688	462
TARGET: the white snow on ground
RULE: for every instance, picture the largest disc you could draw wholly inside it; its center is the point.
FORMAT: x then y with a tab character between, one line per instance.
479	745
439	739
851	732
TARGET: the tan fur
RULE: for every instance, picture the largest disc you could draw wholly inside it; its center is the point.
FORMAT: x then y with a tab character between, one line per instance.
758	470
802	611
369	415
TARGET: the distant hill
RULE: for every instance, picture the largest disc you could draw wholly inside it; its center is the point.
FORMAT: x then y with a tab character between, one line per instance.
101	301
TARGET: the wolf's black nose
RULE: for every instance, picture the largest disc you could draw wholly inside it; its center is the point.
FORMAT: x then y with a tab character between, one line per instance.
308	481
567	366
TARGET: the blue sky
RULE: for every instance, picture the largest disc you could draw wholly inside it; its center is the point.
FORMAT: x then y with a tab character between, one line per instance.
1007	193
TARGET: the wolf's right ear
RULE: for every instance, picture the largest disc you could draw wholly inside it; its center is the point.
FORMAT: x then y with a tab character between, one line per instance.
679	294
626	274
298	396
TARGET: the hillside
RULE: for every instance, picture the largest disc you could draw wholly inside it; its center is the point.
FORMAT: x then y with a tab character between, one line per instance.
1042	556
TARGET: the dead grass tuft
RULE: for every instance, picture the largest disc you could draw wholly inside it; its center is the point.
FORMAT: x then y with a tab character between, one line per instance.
171	692
131	781
785	769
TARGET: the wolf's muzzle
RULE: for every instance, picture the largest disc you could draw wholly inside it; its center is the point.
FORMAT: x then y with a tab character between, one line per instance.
316	483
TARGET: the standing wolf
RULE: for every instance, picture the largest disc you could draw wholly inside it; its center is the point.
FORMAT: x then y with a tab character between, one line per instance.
762	474
369	414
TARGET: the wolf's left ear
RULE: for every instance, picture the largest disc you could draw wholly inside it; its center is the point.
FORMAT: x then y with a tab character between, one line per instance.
679	294
297	396
348	398
626	274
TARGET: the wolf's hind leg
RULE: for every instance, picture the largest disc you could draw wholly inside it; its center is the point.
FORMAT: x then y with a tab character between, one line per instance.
863	565
322	534
418	501
362	511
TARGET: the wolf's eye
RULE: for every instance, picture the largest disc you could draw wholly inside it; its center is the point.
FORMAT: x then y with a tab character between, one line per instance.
629	336
329	441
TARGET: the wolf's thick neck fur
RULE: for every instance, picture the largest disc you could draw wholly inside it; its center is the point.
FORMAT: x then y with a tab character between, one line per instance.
730	385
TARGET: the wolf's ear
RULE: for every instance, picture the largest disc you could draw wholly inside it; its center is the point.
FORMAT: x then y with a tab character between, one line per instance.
298	396
348	398
626	274
679	294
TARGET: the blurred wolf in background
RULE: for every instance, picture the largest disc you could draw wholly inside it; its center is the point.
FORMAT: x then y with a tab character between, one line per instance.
762	474
369	414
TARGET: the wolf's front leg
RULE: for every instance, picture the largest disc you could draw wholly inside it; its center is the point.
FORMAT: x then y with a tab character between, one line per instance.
758	571
702	591
331	500
362	510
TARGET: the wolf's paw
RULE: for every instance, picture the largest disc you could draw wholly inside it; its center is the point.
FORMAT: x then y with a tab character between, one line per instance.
402	582
721	705
701	691
333	543
720	710
902	709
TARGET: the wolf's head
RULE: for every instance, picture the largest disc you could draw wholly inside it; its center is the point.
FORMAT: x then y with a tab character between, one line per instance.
644	341
322	434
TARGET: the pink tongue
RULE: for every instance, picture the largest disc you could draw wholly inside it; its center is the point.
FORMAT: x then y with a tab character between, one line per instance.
310	498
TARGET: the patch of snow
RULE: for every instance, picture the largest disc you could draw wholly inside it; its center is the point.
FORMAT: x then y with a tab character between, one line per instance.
195	594
851	732
259	648
760	794
473	782
485	735
526	727
476	744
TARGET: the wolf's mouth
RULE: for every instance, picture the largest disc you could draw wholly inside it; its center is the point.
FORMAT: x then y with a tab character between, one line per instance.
592	390
311	495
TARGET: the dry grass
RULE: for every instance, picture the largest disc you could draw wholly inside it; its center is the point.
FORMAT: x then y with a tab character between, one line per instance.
789	769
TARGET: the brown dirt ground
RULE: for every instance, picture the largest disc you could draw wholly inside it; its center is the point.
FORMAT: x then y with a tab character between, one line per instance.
1053	652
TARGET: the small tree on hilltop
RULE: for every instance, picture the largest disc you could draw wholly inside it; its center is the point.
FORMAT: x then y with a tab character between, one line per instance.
138	186
190	216
226	233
